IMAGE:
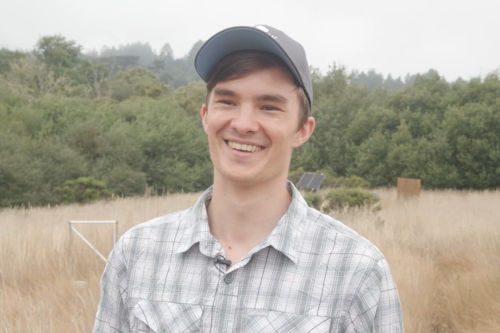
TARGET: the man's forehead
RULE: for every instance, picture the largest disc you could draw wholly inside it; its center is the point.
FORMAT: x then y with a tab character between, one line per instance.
280	76
239	88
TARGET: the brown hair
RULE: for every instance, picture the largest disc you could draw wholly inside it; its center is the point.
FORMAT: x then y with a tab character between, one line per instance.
239	64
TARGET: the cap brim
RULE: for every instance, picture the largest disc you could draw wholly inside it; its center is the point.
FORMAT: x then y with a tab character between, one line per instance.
237	39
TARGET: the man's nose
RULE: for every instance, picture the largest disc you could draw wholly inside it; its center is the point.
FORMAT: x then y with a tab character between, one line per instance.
245	120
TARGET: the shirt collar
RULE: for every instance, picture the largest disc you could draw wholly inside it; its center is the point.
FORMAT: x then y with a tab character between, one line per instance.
284	237
286	234
197	229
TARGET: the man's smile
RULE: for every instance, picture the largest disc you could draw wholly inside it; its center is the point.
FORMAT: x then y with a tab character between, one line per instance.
243	147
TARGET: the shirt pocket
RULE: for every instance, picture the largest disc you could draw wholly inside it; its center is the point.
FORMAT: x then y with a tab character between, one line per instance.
166	317
274	321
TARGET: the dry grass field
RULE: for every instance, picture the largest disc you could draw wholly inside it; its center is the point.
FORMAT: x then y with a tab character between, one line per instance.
443	247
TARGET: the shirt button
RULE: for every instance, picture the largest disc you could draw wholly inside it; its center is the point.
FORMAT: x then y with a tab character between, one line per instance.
228	278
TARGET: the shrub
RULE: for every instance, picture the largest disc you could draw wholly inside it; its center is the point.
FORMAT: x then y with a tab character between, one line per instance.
351	182
294	176
338	199
82	190
314	200
135	82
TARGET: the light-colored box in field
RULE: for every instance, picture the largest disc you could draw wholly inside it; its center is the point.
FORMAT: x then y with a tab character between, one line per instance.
408	187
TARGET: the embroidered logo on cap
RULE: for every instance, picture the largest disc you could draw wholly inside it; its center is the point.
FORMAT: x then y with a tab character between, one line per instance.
263	28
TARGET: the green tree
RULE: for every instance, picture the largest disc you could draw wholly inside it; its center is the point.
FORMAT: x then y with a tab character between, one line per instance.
374	118
60	55
96	75
17	174
82	190
135	82
472	133
370	160
31	79
336	104
7	58
191	97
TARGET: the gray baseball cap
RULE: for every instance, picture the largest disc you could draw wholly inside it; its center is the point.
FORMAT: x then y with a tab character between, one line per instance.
258	38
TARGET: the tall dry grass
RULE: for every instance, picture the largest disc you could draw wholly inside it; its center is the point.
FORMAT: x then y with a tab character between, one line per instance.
444	250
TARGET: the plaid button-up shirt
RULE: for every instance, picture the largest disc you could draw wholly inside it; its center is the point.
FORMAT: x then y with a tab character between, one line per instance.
311	274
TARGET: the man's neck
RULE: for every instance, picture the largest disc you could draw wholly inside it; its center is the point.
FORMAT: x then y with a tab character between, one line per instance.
240	216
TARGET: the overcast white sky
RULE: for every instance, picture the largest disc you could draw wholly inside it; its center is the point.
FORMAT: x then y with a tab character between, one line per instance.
455	37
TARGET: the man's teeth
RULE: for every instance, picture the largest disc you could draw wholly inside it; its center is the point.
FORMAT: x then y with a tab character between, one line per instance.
244	147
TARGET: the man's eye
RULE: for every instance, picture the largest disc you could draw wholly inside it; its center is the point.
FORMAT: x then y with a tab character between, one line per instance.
269	108
226	102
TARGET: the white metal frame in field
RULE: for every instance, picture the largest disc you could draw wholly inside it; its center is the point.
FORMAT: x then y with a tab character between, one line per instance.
72	230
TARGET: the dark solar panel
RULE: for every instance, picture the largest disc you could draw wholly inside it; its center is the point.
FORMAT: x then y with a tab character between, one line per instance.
311	181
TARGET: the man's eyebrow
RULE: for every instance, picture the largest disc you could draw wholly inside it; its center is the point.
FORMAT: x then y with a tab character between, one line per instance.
277	98
224	92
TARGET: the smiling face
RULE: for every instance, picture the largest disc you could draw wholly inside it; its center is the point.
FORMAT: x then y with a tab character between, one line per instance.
252	124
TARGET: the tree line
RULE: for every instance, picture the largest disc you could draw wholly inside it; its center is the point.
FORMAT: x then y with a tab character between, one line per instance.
131	124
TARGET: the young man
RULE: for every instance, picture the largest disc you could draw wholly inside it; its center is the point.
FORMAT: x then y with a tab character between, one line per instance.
250	255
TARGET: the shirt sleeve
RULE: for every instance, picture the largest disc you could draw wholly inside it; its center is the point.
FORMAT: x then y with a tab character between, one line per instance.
112	311
376	306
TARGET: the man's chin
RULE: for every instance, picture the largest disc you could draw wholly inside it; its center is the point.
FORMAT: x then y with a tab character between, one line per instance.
243	179
240	177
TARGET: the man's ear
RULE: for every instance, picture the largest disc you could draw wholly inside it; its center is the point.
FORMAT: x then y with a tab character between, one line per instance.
304	132
203	113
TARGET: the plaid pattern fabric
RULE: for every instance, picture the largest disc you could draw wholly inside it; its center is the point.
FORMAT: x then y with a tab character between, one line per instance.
311	274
